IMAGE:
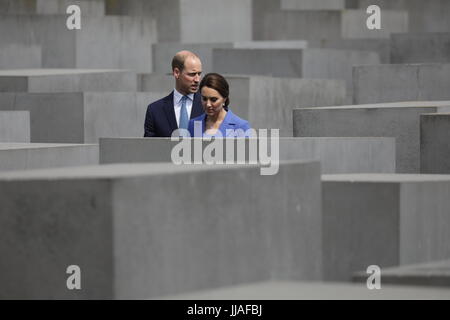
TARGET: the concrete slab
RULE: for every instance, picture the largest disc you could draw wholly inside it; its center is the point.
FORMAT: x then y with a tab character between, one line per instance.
102	42
273	290
14	56
401	82
163	52
420	47
380	46
424	16
384	220
293	63
400	120
14	126
88	7
81	117
325	24
194	20
66	80
266	102
313	5
25	156
435	143
336	155
132	239
434	274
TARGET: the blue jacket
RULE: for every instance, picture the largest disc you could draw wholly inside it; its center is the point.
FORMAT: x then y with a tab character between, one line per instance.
231	122
160	120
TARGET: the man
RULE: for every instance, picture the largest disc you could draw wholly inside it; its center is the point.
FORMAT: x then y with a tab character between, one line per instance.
183	103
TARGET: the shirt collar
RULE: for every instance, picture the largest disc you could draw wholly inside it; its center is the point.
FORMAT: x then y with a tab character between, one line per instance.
177	96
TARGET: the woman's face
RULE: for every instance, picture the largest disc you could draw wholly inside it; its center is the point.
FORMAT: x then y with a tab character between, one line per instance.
212	101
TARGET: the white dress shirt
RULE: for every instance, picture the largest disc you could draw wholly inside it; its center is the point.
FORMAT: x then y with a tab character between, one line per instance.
177	104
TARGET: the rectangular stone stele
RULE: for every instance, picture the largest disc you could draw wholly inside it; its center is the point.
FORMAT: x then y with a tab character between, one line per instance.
66	80
293	290
432	274
23	156
401	82
420	47
400	120
81	117
435	143
14	126
102	42
384	220
138	231
337	155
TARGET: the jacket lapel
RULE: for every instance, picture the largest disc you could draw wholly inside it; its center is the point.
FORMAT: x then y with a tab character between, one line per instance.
170	112
197	109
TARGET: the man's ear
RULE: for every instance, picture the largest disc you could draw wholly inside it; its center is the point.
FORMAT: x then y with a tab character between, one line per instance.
176	73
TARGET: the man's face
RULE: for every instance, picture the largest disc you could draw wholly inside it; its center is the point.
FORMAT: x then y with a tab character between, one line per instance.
188	80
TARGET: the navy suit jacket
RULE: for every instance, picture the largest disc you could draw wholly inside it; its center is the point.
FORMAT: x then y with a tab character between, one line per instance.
160	120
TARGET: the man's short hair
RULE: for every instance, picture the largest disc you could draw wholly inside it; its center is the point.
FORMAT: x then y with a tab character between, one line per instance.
179	60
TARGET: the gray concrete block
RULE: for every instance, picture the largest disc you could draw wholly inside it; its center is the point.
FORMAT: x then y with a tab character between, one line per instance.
66	80
433	274
401	82
131	240
163	52
420	47
13	56
14	126
400	120
424	16
336	155
384	220
81	117
293	63
313	4
88	7
380	46
25	156
102	42
293	290
194	20
265	101
325	24
435	143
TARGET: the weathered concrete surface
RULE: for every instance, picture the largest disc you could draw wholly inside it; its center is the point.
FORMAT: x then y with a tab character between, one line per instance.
192	21
132	238
102	42
266	102
14	126
163	52
420	47
336	155
325	24
81	117
400	120
435	143
66	80
313	5
311	291
434	274
293	63
88	7
14	56
385	220
380	46
401	82
24	156
424	16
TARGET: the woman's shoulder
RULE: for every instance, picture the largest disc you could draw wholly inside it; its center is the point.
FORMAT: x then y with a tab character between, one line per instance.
237	120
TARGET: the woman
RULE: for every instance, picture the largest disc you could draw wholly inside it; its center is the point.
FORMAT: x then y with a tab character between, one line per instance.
218	120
